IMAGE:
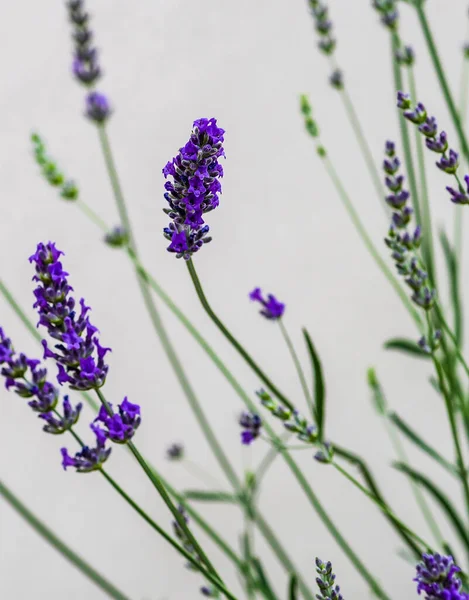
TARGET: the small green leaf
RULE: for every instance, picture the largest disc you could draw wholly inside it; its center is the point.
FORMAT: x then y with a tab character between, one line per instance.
263	583
440	498
319	386
406	346
204	496
414	437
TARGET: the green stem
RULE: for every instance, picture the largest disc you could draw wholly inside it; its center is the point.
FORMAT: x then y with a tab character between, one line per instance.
428	244
365	149
398	85
442	77
154	314
269	458
419	497
50	537
368	242
298	367
383	507
158	485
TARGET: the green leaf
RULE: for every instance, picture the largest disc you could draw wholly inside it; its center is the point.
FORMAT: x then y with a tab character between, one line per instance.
263	583
414	437
203	496
453	276
406	346
319	385
293	587
440	498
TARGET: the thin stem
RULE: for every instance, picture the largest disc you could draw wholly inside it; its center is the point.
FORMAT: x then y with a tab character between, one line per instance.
365	149
398	85
382	506
158	485
155	317
419	497
428	244
368	242
298	367
49	536
419	6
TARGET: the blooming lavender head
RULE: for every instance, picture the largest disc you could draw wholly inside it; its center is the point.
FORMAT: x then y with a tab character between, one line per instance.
251	423
402	240
271	308
120	427
85	64
323	24
388	11
88	459
326	582
195	187
78	353
437	578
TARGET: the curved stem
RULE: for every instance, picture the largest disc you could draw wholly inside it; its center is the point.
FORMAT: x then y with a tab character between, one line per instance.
158	485
49	536
298	367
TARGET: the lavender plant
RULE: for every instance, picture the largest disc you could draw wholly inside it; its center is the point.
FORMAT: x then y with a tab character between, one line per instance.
191	190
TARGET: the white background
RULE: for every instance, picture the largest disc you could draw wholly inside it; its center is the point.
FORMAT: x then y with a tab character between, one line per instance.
280	225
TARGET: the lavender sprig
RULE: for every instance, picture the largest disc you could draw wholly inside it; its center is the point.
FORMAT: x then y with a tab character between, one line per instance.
272	309
388	12
402	240
320	13
437	578
326	582
194	189
436	141
50	171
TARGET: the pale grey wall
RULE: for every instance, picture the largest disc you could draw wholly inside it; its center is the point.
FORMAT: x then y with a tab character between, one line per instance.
280	225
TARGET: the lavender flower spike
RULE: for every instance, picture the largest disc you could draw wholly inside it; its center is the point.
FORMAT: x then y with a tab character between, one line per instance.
121	426
251	423
85	64
194	189
88	459
79	355
326	582
323	24
28	378
436	577
271	308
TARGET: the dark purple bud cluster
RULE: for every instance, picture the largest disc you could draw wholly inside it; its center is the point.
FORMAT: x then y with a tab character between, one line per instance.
28	378
326	582
175	452
272	309
405	56
337	79
252	424
320	14
435	141
120	427
85	64
430	345
88	459
461	195
388	11
194	189
404	242
117	237
437	578
78	353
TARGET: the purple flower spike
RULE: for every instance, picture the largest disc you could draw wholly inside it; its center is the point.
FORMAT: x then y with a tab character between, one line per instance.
121	426
85	65
449	164
195	187
251	423
460	196
271	308
437	578
88	459
79	355
97	108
